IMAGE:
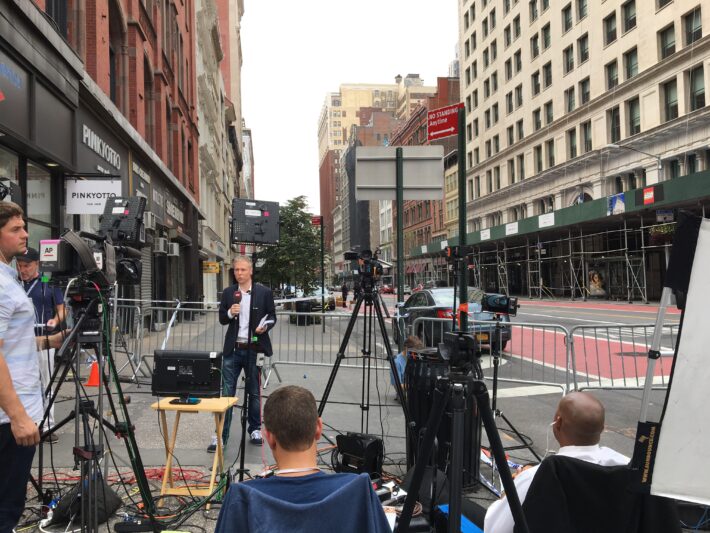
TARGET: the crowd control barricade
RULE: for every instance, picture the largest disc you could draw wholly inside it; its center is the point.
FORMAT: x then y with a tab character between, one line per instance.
529	353
128	321
616	356
314	339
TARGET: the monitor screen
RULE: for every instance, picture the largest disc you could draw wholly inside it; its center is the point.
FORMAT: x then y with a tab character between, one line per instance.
187	374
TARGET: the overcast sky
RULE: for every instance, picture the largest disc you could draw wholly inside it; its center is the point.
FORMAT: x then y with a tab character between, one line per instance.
296	52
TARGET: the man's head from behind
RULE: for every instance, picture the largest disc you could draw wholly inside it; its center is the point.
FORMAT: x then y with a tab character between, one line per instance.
579	420
13	236
291	421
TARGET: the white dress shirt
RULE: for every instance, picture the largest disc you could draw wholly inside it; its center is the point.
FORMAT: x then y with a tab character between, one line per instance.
499	519
244	309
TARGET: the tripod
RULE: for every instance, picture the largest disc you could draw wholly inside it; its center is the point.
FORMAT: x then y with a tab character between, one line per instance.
455	390
371	299
88	331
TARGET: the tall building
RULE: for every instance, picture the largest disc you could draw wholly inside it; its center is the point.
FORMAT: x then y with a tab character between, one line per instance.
217	154
102	93
586	121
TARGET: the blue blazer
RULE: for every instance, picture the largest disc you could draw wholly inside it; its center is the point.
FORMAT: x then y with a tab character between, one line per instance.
262	304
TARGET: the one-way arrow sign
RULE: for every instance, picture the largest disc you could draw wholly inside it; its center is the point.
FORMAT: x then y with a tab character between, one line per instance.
443	122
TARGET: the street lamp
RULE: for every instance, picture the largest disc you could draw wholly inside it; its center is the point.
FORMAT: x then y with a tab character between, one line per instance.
656	157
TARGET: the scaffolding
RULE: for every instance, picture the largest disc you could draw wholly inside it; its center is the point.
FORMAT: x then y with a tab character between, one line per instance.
618	262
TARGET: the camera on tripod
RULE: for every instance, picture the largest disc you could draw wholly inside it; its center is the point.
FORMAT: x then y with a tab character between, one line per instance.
96	261
460	350
369	266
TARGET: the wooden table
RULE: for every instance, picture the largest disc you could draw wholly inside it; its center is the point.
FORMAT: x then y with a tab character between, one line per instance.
217	406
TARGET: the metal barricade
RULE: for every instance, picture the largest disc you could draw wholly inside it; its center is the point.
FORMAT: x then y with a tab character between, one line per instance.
128	322
616	357
528	353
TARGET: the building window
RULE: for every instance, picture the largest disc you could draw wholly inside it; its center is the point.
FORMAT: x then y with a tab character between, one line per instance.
612	75
494	50
670	100
489	181
496	177
568	59
516	27
693	26
614	121
610	28
486	58
57	11
666	42
492	18
544	5
511	171
567	18
535	82
521	166
510	132
550	149
519	127
628	11
474	97
509	103
631	63
548	113
519	95
547	74
584	91
581	9
535	46
545	32
518	57
569	100
538	158
586	132
662	3
571	143
533	10
697	88
537	119
583	48
508	69
506	36
633	111
674	168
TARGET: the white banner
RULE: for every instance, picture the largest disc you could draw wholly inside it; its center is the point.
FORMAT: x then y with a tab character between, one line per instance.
546	221
511	229
485	234
88	197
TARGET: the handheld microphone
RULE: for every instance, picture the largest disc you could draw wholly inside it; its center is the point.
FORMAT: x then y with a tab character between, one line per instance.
237	297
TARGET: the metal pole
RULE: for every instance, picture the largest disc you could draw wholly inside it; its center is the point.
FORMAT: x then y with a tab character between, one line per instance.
400	231
463	276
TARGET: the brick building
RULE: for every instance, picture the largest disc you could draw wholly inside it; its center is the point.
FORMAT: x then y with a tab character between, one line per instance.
104	90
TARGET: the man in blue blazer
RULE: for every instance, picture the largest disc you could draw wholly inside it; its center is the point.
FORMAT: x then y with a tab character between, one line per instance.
249	310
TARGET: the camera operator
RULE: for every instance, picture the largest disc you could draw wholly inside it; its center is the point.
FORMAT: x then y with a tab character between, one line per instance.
240	352
49	314
21	401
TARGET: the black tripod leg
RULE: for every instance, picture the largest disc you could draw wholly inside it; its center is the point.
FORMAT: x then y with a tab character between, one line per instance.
393	366
525	445
441	395
484	408
341	354
458	407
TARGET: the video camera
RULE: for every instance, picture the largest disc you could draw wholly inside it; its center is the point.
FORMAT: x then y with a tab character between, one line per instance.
499	303
95	262
369	266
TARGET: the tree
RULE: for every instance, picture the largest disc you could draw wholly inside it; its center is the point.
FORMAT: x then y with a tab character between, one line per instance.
296	260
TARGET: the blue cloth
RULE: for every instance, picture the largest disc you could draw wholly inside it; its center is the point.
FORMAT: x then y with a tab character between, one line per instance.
319	502
15	464
400	362
232	366
466	525
45	299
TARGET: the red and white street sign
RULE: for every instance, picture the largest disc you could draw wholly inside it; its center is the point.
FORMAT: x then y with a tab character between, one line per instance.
443	122
316	220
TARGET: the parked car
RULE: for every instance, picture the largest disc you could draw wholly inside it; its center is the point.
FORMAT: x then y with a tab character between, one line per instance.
438	303
387	289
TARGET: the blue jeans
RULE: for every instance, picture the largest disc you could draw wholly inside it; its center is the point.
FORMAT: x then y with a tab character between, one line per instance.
15	464
232	366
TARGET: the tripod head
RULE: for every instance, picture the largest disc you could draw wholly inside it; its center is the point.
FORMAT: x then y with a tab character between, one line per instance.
369	270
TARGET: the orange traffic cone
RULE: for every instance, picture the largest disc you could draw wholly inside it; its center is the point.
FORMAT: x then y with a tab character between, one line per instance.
93	380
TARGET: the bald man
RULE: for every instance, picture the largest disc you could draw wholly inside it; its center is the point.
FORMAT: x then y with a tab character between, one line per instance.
577	426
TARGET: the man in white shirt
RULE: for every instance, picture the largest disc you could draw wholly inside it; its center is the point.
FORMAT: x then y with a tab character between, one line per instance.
577	426
21	399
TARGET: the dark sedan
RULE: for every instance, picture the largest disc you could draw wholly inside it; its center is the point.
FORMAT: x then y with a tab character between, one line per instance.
438	304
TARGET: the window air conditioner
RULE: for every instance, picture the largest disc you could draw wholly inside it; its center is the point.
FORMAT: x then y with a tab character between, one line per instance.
160	245
173	249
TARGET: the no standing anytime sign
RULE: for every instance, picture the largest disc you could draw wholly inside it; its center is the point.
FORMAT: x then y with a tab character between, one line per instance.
443	122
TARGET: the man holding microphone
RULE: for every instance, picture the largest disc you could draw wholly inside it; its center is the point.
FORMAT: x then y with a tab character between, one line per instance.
239	302
21	399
